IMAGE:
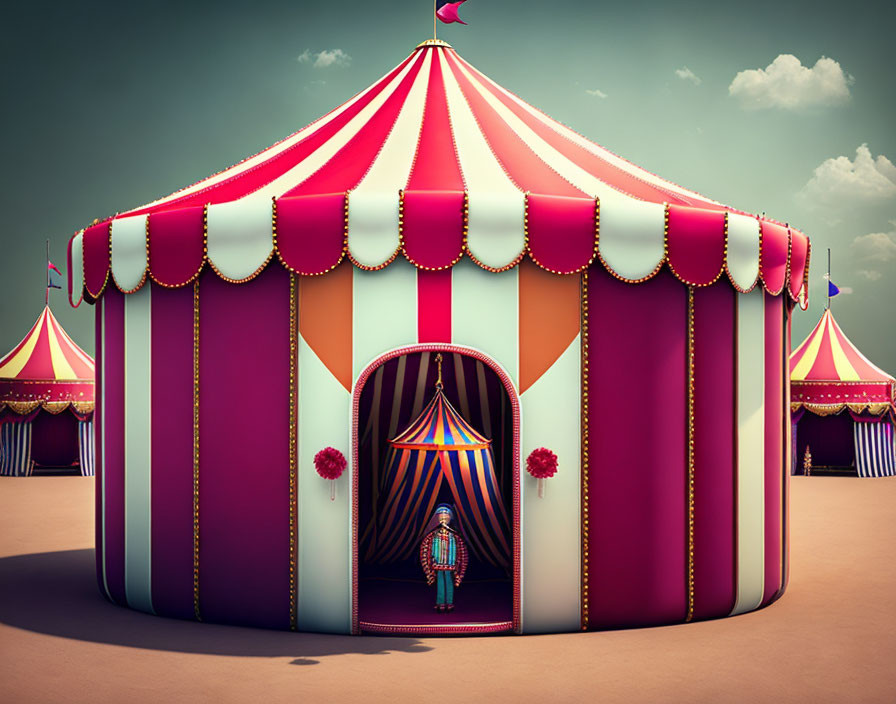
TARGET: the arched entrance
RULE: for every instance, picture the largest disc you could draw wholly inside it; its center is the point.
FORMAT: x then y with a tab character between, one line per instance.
389	592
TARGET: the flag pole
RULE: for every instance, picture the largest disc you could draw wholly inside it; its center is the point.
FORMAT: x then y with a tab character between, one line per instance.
47	290
829	278
434	19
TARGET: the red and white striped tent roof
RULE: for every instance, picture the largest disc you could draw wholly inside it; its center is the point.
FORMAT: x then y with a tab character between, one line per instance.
436	161
827	369
46	369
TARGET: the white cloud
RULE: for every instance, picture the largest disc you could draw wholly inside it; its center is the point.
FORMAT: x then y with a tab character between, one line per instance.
874	249
865	179
325	58
596	92
787	84
686	74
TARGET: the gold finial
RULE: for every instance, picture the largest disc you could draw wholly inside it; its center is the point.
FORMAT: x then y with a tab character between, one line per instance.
433	42
439	363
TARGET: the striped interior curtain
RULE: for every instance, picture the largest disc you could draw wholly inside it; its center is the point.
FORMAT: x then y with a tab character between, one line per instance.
875	449
85	447
15	449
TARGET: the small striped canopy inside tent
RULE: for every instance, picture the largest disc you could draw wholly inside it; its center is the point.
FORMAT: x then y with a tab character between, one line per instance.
438	448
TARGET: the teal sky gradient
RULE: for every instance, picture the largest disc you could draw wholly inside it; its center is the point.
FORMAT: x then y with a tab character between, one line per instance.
109	105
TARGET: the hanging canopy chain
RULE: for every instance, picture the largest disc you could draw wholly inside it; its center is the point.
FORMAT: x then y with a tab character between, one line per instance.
439	363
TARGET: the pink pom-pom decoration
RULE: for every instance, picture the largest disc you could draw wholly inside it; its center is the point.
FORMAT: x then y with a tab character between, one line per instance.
541	463
330	463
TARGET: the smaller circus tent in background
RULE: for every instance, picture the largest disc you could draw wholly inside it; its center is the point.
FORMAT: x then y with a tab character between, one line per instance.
842	407
441	448
46	403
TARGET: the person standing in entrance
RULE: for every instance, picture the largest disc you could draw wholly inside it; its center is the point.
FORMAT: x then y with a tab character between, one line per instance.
443	555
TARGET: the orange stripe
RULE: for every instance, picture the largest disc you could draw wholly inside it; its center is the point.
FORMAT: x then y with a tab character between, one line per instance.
325	319
549	319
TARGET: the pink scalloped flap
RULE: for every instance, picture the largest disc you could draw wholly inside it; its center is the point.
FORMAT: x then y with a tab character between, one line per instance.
562	232
96	257
696	244
176	245
433	227
799	248
773	265
311	232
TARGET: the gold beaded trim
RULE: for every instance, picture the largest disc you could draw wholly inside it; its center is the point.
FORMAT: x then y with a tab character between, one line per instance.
196	611
346	253
804	291
787	272
293	450
690	555
585	450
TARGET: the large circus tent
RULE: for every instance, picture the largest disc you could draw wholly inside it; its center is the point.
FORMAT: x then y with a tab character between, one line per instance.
843	406
46	403
288	304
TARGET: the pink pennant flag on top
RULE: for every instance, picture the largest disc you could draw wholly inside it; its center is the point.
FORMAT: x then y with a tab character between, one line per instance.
447	11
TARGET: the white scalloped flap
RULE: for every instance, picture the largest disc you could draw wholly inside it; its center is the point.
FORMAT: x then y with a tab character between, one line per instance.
76	270
372	227
240	236
496	233
631	237
129	252
743	250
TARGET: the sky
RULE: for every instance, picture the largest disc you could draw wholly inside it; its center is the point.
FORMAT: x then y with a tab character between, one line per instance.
783	108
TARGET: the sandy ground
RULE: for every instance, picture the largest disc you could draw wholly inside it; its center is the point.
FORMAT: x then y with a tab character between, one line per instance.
832	638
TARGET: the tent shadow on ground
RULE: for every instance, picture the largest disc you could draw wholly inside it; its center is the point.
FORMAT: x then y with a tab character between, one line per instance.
56	593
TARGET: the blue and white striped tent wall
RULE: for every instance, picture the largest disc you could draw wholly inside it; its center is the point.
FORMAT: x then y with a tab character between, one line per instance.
875	449
15	449
86	447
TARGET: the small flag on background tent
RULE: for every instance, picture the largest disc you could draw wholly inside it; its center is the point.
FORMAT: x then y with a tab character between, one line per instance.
447	11
832	288
51	267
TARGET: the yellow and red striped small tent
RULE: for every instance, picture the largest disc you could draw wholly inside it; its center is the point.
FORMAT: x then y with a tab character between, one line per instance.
46	402
850	404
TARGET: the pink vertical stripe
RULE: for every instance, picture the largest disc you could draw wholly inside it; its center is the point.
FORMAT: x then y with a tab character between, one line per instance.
98	444
435	164
113	437
788	342
244	450
434	306
823	366
40	363
172	451
638	431
774	441
715	589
